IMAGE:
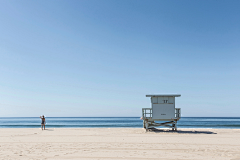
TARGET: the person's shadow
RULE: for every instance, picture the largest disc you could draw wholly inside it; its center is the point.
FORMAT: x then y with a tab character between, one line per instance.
49	129
179	131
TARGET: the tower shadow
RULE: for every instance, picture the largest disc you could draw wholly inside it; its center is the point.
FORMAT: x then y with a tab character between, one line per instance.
179	131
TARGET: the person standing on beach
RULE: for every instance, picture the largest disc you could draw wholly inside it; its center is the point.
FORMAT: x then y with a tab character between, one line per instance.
43	122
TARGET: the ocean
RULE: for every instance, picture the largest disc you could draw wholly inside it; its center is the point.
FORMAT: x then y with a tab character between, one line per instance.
115	122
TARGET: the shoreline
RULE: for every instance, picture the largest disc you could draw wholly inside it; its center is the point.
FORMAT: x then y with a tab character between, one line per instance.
110	128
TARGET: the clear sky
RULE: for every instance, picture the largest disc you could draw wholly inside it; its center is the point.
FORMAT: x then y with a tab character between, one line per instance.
100	58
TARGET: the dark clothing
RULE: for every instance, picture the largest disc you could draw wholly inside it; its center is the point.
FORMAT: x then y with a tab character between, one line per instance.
43	121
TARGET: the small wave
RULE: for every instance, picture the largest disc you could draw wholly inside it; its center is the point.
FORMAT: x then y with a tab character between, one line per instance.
115	122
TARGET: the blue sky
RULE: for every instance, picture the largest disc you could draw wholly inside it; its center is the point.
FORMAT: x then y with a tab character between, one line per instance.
100	58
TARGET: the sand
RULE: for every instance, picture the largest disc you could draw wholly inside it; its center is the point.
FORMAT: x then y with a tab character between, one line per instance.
119	143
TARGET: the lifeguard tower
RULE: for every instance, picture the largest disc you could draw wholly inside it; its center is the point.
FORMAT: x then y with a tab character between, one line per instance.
163	109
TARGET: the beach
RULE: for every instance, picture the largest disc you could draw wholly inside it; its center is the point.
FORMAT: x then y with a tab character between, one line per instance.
119	143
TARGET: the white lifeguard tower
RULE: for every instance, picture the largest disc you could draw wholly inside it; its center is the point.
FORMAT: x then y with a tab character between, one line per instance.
163	109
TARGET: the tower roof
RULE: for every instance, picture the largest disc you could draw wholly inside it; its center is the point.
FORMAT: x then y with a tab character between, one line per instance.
163	95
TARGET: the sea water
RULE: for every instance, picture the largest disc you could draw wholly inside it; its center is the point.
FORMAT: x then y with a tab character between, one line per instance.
115	122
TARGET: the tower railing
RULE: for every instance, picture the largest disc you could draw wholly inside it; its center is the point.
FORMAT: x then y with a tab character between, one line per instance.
147	113
178	112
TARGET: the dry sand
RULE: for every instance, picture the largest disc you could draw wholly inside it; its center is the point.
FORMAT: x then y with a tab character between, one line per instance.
119	143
